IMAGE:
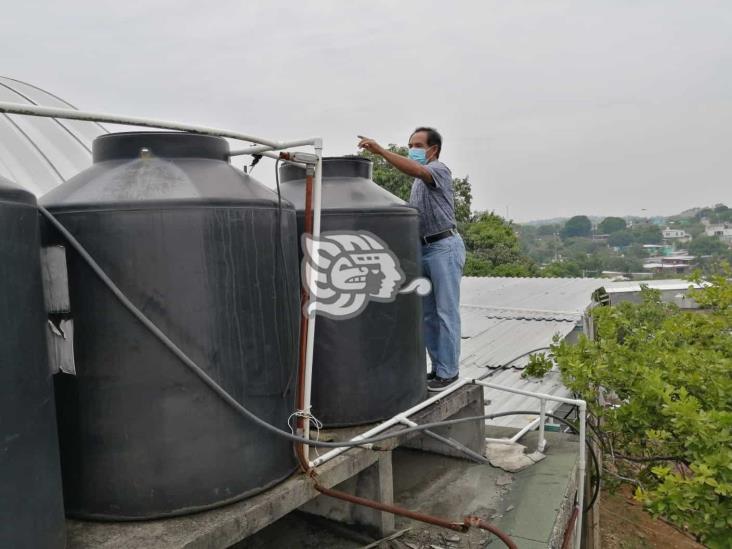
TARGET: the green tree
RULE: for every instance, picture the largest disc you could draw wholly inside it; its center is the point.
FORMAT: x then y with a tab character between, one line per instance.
562	269
400	184
547	230
463	199
708	245
659	391
579	225
493	248
621	238
611	225
387	176
647	234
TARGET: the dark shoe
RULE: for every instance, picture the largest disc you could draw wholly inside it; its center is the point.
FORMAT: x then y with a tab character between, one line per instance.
440	384
431	376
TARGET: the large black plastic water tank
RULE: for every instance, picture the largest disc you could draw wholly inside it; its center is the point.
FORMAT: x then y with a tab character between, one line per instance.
203	251
31	504
372	366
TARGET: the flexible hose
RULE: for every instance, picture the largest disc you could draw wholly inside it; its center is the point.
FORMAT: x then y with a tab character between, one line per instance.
187	361
226	397
215	387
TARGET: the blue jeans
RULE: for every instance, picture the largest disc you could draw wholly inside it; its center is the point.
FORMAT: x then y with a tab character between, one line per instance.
442	263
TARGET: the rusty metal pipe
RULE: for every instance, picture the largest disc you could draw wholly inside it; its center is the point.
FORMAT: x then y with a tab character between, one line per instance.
421	517
570	527
301	449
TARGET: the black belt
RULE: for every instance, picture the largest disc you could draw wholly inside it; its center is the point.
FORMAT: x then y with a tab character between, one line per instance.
430	238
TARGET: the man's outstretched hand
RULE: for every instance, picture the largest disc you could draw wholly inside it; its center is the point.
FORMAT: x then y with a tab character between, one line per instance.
370	145
401	163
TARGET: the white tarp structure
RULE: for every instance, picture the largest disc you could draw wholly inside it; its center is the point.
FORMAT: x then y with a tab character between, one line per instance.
41	153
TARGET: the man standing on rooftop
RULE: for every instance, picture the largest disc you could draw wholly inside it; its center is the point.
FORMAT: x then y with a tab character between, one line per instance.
443	251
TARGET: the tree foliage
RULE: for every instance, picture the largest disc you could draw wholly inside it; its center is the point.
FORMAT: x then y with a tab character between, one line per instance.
579	225
720	213
387	176
658	381
611	225
400	184
708	245
493	248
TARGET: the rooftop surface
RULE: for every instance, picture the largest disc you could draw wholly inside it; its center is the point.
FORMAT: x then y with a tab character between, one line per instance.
504	320
531	505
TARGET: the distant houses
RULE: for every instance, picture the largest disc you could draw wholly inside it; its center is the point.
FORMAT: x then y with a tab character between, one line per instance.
677	262
722	231
675	235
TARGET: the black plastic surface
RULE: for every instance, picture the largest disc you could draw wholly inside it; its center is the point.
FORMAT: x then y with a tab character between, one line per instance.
195	247
370	367
31	504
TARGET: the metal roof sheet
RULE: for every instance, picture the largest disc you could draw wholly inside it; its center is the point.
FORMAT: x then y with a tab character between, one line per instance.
635	286
558	295
41	153
506	318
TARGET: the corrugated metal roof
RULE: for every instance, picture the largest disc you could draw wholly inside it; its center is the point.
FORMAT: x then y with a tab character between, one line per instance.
501	401
41	153
496	343
635	285
568	295
506	318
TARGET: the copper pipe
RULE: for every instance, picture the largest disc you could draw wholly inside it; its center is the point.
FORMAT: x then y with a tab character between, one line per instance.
500	534
309	204
421	517
304	460
570	527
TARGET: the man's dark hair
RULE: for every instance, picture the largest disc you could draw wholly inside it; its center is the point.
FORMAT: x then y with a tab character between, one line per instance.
433	137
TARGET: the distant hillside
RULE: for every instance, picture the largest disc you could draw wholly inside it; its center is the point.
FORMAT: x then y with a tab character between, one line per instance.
686	214
560	220
691	212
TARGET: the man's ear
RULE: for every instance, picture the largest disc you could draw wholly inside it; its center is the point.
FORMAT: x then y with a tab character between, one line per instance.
435	157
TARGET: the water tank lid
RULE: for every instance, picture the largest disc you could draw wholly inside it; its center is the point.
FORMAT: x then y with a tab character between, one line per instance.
333	166
11	192
129	145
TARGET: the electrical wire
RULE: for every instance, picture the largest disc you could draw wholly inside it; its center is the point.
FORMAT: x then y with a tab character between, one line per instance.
503	366
236	405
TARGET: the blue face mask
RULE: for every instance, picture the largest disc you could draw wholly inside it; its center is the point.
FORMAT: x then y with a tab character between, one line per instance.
418	155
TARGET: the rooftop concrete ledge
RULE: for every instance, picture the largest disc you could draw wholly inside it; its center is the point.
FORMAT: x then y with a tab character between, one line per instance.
225	526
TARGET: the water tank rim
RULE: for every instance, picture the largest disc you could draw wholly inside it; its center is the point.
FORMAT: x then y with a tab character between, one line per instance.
13	194
165	205
163	144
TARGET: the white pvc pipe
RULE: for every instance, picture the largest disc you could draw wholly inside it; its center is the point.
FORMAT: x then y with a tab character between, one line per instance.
276	156
310	346
581	481
72	114
259	149
582	405
391	422
572	401
541	446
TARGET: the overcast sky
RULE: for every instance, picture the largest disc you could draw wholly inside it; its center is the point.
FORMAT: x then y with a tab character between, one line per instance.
553	108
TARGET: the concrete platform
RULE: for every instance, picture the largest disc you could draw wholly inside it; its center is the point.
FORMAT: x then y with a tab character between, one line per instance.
228	525
532	506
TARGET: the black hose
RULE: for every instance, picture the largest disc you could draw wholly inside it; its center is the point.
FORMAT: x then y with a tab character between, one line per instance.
226	397
215	387
596	480
491	371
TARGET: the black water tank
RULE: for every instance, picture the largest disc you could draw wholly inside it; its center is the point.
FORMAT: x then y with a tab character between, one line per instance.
204	252
31	504
372	366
